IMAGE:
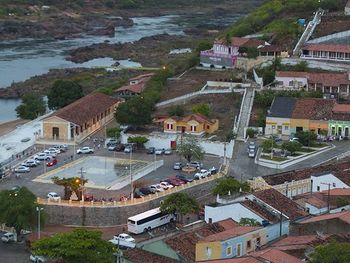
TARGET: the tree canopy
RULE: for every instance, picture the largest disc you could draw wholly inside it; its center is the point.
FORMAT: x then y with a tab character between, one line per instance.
202	108
79	246
71	184
179	203
331	253
228	185
32	106
190	148
18	209
135	112
306	138
292	147
139	140
63	93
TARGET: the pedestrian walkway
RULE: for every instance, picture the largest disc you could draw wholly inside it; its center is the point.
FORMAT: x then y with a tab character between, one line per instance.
244	115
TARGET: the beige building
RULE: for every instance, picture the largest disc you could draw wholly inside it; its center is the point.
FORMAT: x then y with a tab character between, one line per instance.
78	120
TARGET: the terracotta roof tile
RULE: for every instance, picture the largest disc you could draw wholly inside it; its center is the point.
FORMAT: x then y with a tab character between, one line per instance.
143	76
337	192
261	211
299	240
275	256
341	108
138	255
233	232
272	48
281	203
313	109
246	259
343	216
197	117
136	88
86	108
327	47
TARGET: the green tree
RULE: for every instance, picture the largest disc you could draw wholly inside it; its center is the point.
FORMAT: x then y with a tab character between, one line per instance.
341	201
113	132
71	184
32	106
301	66
78	246
189	148
252	52
18	209
331	253
179	203
135	112
63	93
228	185
138	140
292	147
176	111
251	132
267	144
202	108
306	138
249	222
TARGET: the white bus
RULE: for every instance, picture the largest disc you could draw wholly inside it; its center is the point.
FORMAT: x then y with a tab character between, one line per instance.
148	220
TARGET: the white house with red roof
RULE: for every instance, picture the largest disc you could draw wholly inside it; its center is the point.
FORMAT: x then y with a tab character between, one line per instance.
135	87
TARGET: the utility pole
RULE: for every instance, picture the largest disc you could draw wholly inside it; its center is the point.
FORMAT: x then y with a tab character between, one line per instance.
328	196
82	183
39	209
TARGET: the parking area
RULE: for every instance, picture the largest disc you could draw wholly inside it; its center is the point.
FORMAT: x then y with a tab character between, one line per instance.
13	252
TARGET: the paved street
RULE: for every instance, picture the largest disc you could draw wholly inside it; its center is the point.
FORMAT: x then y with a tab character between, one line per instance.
13	252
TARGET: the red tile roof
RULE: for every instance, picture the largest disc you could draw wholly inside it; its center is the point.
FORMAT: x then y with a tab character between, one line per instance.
315	200
246	259
324	78
341	108
328	47
297	240
313	109
138	255
230	233
281	203
261	211
136	88
86	108
337	192
272	48
197	117
275	256
343	216
291	74
143	76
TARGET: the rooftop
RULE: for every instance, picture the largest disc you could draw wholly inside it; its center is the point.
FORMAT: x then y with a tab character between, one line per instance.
80	111
282	107
195	116
281	203
343	216
230	233
327	47
247	259
275	256
136	88
143	76
313	109
261	211
138	255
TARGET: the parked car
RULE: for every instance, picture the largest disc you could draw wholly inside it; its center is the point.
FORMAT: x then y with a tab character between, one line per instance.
201	174
123	240
184	178
128	149
31	163
168	152
22	169
117	147
61	147
156	188
159	151
165	185
42	157
294	139
111	141
151	150
195	164
52	162
251	145
56	150
85	150
51	152
177	166
138	194
38	259
147	190
53	196
88	197
8	237
213	170
174	181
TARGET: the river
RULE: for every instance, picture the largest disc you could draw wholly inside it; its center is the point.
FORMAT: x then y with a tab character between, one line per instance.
24	58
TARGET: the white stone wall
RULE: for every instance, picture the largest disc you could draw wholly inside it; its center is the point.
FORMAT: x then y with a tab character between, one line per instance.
297	82
322	182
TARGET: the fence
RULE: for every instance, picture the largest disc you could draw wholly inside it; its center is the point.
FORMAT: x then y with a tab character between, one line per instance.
135	201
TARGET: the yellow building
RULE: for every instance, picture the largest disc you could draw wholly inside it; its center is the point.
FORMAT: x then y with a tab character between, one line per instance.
78	120
194	124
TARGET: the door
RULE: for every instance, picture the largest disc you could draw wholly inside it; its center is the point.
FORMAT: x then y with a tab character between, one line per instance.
55	132
346	132
238	252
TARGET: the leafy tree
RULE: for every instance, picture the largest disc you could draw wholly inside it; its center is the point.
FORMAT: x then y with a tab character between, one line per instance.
113	132
251	132
179	203
189	147
63	93
32	106
135	112
267	144
139	140
79	246
301	66
306	138
18	209
229	184
176	111
331	253
202	108
292	147
341	201
71	184
249	222
252	52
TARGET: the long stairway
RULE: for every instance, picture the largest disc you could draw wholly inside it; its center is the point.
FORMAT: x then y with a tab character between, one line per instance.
246	109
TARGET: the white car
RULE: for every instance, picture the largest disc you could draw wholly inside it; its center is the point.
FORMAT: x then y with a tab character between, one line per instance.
165	185
294	139
37	259
123	240
201	174
157	188
53	149
168	152
85	150
42	157
31	163
22	169
159	151
53	196
52	153
8	237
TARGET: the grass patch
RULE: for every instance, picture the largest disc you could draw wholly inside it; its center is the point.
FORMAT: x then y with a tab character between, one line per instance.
275	158
319	145
306	150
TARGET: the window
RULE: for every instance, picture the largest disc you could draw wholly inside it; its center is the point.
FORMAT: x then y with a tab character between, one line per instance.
238	250
318	188
229	251
210	220
193	128
208	127
249	244
150	218
169	126
286	128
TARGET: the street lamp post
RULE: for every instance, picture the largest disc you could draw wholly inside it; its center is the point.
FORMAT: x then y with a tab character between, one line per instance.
131	181
272	139
82	183
39	209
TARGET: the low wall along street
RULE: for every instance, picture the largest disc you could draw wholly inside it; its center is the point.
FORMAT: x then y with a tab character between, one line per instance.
117	213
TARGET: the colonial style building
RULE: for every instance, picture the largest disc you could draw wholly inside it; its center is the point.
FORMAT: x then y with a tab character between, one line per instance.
330	52
194	124
79	119
136	86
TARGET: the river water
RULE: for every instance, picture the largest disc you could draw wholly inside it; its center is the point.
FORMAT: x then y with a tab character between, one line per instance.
24	58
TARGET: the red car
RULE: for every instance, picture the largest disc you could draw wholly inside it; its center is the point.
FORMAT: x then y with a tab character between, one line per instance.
52	162
174	181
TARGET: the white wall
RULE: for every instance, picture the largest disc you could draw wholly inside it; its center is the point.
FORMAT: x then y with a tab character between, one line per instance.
279	121
322	181
314	210
295	80
234	211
